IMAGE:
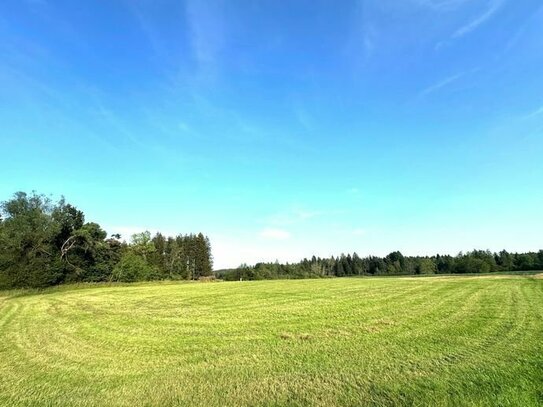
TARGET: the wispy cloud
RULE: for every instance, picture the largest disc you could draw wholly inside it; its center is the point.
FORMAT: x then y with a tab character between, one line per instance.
147	28
363	37
441	5
206	33
369	40
184	127
113	121
534	113
305	120
247	130
274	234
441	84
36	5
523	30
494	6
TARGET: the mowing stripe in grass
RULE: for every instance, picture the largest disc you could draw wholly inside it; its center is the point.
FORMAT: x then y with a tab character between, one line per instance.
339	342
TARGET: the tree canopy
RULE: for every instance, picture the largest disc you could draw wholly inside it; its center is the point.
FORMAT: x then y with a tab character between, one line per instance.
44	243
477	261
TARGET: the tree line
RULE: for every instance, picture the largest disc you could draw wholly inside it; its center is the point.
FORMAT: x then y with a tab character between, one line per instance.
44	243
477	261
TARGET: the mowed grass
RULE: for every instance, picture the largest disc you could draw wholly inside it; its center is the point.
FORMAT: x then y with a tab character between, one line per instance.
336	342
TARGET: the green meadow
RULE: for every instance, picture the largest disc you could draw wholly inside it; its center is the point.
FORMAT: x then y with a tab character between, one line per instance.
439	341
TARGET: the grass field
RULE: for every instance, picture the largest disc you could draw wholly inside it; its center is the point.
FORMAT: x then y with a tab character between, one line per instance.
335	342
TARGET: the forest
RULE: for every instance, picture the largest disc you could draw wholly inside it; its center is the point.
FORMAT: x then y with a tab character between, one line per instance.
45	242
476	261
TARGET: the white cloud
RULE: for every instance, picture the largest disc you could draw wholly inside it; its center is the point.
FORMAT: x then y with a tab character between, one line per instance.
126	232
292	216
353	191
359	232
303	214
231	251
274	234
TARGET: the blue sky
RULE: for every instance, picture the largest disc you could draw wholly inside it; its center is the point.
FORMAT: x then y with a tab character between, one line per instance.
282	129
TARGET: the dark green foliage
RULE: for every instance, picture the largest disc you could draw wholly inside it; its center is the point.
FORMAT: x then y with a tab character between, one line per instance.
44	243
28	233
426	266
477	261
204	262
133	267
